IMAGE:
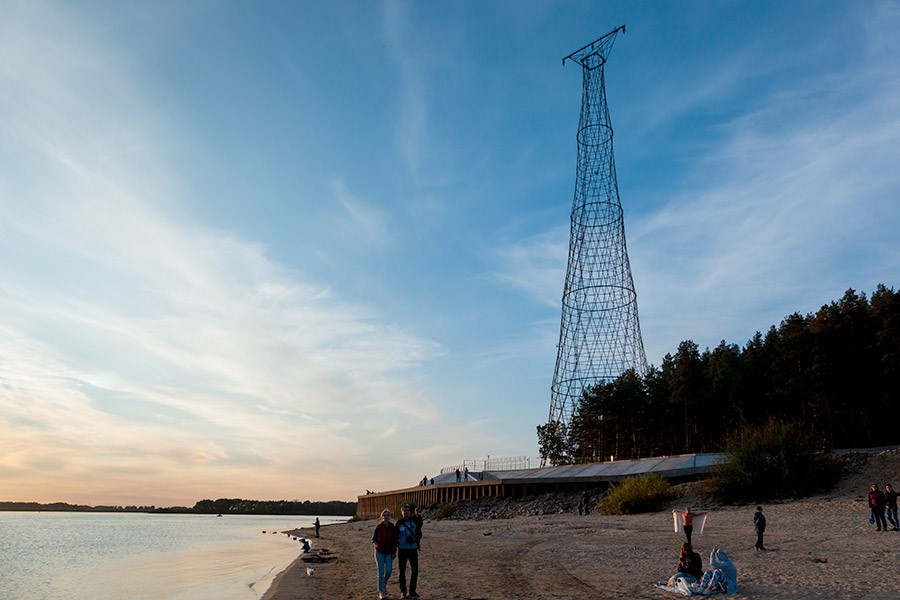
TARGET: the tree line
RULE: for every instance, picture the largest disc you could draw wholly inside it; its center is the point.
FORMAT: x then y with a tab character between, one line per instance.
66	507
274	507
835	372
220	506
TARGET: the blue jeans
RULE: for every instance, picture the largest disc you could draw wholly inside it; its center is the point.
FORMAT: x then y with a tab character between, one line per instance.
892	515
385	564
714	579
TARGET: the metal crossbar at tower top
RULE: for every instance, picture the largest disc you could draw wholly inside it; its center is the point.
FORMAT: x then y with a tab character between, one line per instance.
598	49
600	335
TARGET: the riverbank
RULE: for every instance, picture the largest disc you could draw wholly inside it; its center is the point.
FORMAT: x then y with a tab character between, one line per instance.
820	547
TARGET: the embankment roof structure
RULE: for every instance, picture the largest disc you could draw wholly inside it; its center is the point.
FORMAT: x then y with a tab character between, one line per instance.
524	482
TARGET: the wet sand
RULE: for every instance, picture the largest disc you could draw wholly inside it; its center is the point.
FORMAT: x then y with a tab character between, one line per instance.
820	547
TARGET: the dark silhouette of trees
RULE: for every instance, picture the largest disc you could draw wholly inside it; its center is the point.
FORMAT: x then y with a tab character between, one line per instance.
773	460
274	507
834	373
220	506
553	440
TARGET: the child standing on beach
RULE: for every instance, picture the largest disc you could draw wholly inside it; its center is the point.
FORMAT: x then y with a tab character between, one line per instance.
688	516
759	522
384	538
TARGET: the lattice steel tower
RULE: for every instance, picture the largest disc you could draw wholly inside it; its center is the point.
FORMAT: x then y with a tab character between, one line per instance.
599	336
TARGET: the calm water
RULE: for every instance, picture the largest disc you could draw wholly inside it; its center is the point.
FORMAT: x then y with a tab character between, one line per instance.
112	556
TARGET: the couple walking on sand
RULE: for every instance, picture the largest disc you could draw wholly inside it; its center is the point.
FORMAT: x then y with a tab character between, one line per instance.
403	538
881	502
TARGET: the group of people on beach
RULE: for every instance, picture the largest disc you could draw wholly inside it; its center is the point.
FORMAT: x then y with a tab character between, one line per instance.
401	540
881	503
690	578
721	576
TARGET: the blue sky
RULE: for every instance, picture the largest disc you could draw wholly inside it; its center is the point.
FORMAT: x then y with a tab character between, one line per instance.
304	249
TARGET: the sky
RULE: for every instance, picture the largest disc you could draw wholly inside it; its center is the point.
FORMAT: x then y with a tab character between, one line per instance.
301	250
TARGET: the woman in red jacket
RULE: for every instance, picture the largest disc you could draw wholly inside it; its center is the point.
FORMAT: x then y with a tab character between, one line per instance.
384	538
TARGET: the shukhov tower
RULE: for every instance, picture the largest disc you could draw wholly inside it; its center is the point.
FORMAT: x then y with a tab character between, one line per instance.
600	336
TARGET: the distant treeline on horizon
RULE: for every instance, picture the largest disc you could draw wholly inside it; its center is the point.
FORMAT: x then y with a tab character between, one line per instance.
234	506
835	372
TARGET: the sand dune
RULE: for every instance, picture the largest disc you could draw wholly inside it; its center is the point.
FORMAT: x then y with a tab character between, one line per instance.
820	547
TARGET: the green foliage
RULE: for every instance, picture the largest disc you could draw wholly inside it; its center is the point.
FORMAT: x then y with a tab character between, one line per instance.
776	460
553	443
445	511
612	419
643	493
836	371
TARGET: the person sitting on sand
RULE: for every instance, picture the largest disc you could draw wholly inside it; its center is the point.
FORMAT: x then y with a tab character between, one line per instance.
720	577
689	570
689	563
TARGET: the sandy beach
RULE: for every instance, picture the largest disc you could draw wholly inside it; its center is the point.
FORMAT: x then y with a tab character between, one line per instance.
819	547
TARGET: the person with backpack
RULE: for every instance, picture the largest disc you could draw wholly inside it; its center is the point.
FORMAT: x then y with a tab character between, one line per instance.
408	536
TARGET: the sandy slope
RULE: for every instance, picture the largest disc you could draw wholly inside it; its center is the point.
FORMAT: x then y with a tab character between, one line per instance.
821	547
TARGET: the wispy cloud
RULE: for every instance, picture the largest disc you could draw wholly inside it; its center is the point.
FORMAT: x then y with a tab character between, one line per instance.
795	201
411	115
136	341
536	265
362	221
781	210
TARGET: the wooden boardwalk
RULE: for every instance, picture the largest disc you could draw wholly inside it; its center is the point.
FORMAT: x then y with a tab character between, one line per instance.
528	482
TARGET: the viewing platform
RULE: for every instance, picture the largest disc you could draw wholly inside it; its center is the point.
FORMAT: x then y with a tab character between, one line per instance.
519	483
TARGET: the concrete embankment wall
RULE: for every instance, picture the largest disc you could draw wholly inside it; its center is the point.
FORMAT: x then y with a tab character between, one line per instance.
529	482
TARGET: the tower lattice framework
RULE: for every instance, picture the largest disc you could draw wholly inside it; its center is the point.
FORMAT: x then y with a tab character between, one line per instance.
600	335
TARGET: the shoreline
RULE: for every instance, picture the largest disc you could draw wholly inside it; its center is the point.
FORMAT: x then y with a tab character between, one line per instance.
820	547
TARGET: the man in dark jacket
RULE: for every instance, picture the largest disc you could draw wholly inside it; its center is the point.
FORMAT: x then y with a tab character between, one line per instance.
759	522
876	505
890	503
408	536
